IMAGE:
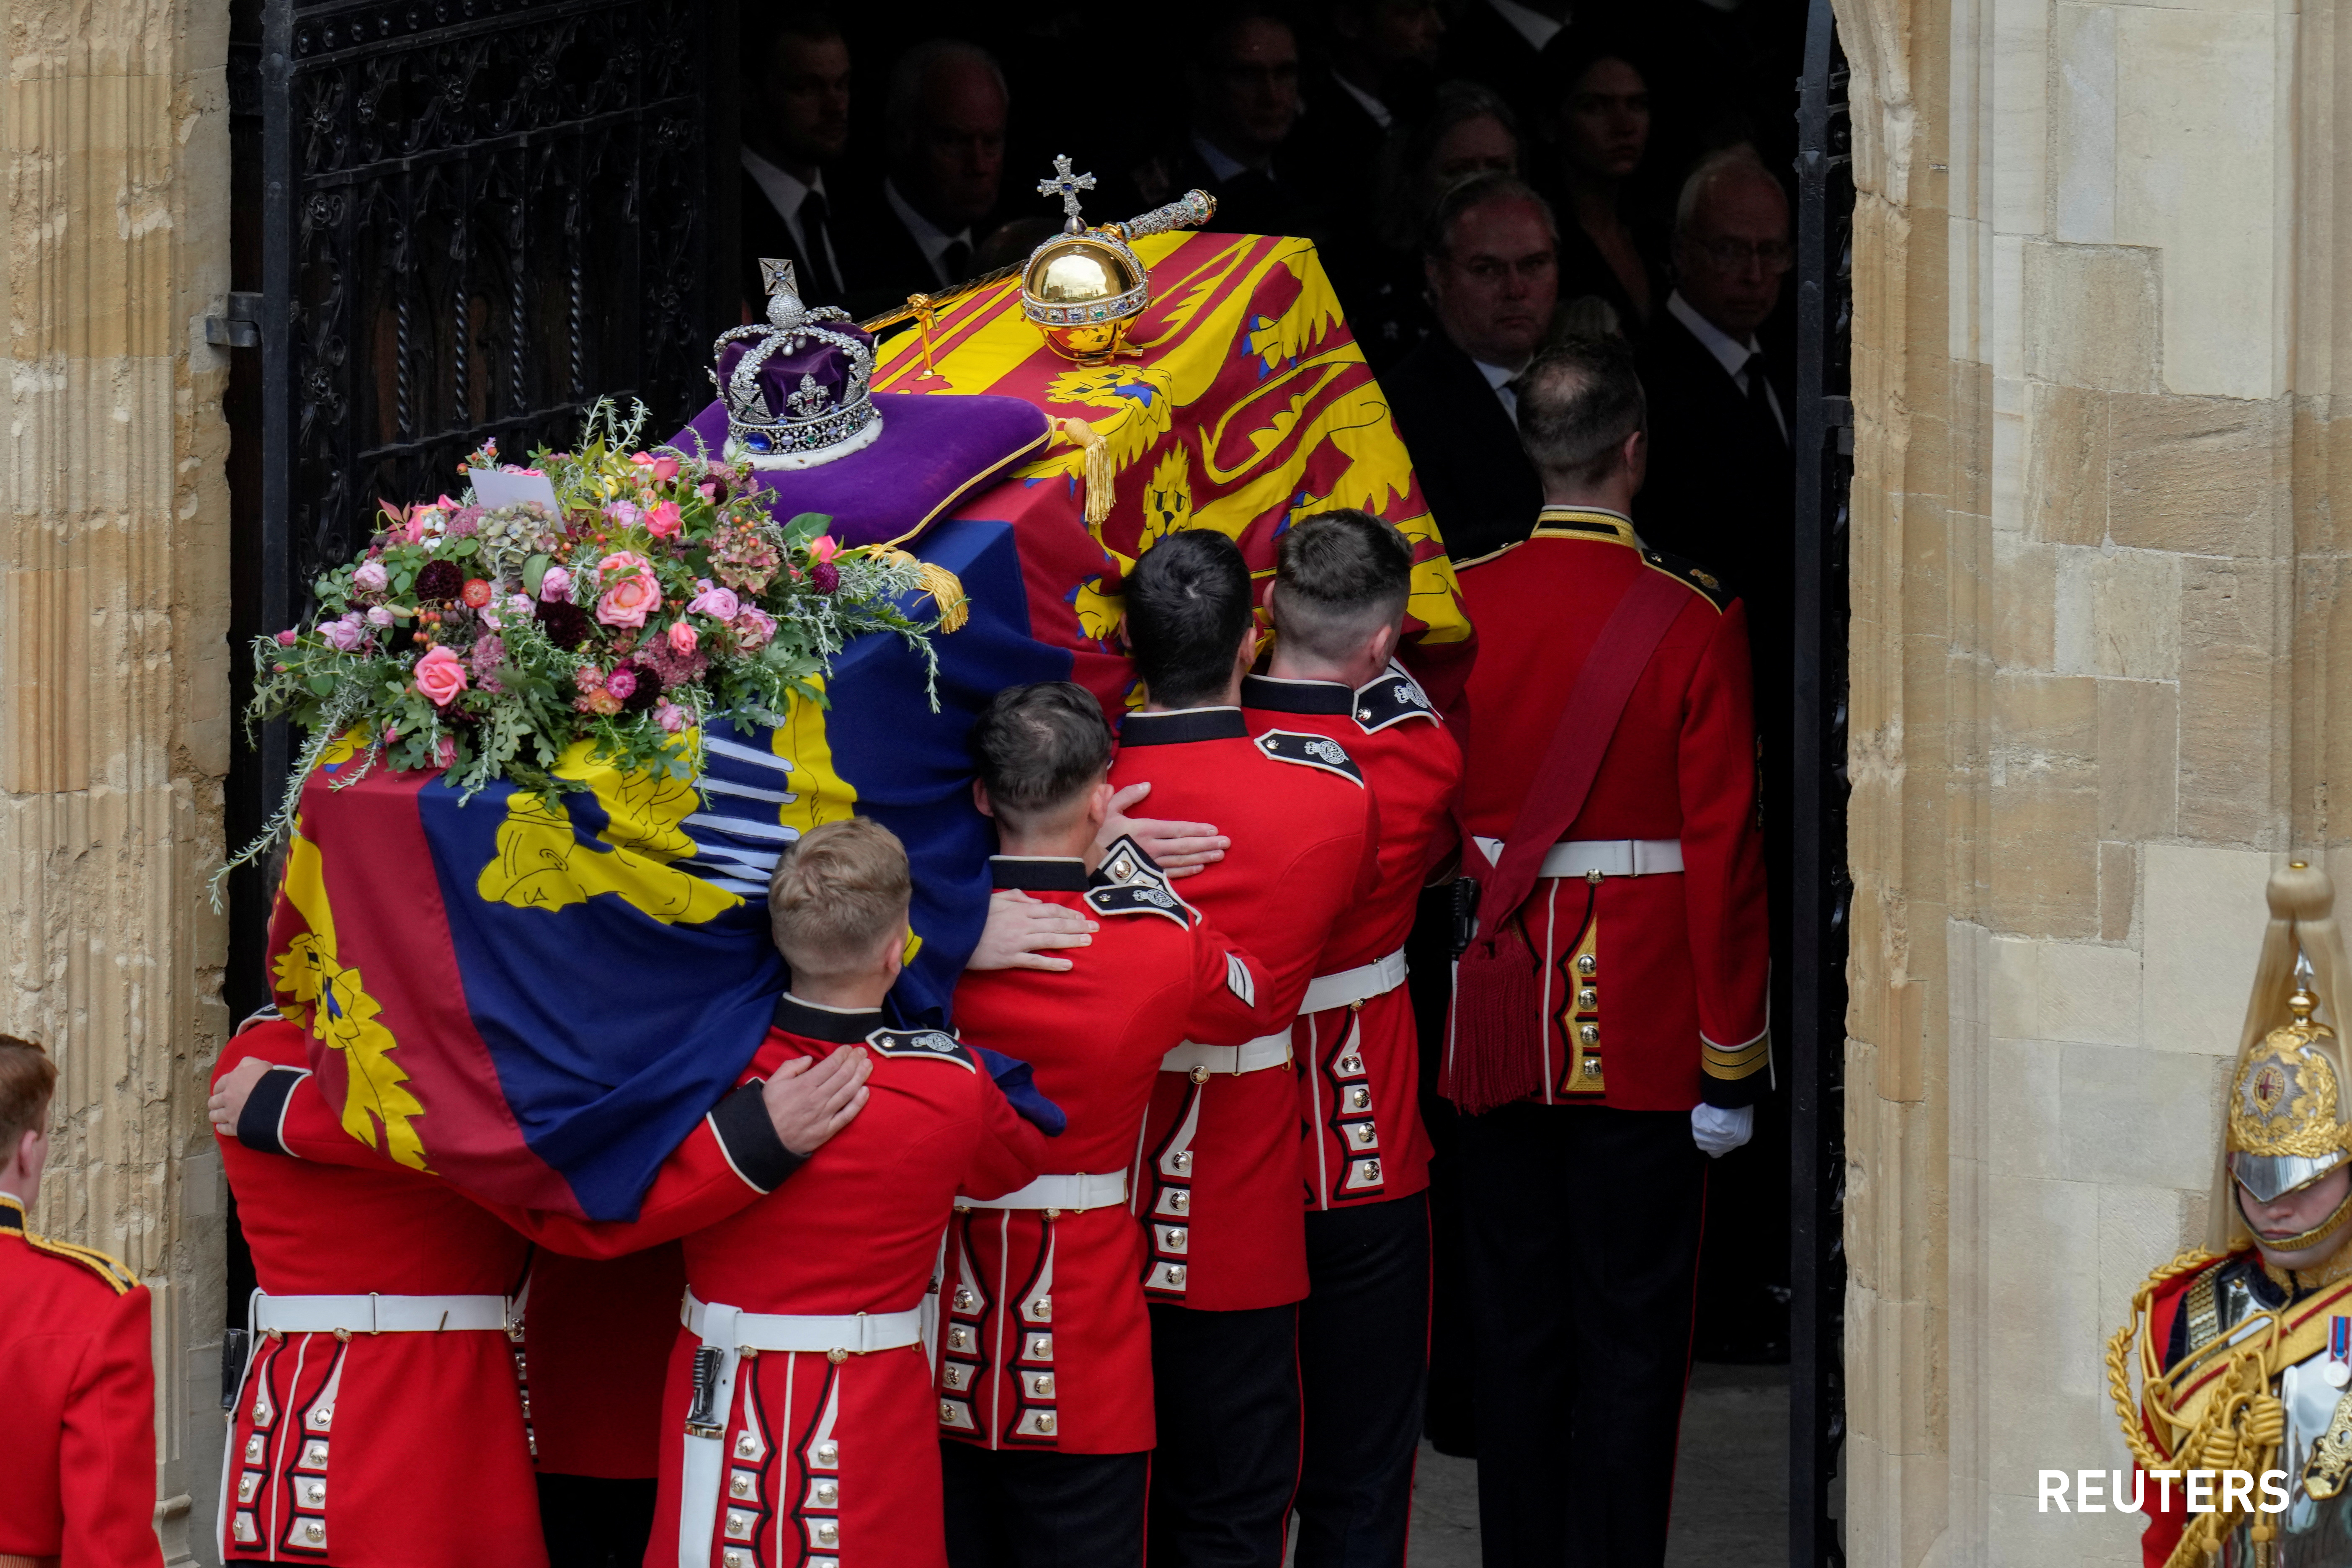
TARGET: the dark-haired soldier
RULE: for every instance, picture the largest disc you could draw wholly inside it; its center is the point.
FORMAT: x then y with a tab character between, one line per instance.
1339	603
1628	894
1046	1356
1217	1179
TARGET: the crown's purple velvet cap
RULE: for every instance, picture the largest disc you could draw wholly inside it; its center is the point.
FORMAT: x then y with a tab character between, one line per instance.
934	451
779	378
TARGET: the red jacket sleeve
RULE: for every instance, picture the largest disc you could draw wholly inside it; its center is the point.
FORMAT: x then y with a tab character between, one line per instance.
107	1452
1723	869
731	1160
1318	884
1008	1153
1229	992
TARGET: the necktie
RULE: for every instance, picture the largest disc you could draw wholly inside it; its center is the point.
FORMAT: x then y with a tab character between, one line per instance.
1759	399
955	260
817	239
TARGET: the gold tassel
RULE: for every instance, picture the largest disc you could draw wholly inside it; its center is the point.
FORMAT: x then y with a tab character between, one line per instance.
1098	467
945	588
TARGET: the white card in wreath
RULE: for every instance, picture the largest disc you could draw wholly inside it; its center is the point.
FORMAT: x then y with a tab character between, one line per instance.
494	489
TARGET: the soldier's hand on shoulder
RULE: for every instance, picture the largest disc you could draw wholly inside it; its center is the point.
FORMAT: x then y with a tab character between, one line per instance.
809	1100
1022	934
228	1096
1178	848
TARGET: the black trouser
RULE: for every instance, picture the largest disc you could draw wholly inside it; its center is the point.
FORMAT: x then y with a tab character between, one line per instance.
592	1523
1022	1509
1583	1228
1226	1385
1363	1346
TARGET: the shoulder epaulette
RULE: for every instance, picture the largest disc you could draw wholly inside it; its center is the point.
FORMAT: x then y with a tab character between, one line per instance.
1698	578
119	1279
1130	882
1393	699
925	1044
1318	752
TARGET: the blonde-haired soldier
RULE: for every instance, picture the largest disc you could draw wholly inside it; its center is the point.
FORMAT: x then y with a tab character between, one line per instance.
77	1381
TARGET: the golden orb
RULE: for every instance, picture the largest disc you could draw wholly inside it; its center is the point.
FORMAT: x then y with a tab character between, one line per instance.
1081	290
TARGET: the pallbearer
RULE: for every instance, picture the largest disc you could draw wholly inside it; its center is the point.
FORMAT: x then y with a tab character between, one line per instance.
1045	1387
77	1387
1338	606
1217	1173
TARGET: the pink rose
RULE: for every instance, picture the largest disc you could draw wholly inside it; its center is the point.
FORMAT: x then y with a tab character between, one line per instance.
344	635
371	578
446	752
681	638
665	470
670	717
556	586
285	638
379	616
440	675
719	603
622	683
754	628
631	590
662	519
623	512
707	490
518	605
823	548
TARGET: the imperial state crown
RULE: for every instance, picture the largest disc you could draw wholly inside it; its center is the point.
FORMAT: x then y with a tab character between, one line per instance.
796	387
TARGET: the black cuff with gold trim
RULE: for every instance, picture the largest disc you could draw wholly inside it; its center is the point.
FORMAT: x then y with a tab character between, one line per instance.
260	1127
749	1140
1742	1075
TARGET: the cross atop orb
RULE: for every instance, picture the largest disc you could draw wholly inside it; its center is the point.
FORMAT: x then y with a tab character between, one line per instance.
1067	186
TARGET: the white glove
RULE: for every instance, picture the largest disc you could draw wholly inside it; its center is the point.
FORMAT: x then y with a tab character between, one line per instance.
1717	1132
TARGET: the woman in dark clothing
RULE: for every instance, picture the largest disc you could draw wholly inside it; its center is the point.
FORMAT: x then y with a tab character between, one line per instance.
1598	134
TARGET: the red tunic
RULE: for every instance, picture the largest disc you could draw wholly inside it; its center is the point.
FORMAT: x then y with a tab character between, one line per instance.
1656	998
597	1336
401	1449
1360	1065
1220	1152
831	1455
1094	1036
76	1404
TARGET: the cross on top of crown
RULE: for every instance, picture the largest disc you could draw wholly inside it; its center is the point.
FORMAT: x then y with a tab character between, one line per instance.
1067	186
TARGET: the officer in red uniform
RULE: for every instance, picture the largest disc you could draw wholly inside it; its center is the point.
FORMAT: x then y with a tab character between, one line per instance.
428	1426
1338	604
381	1420
1217	1171
77	1385
1608	1030
1047	1459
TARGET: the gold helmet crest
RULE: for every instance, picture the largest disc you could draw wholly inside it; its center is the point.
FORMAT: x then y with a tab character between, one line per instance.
2286	1107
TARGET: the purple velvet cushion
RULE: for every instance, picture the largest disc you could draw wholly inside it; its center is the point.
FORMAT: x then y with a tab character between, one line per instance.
933	451
780	376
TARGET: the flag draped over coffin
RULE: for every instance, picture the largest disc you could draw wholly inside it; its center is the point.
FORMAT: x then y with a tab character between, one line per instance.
538	999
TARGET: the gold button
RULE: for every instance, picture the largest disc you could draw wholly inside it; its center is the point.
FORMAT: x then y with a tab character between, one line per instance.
1175	1274
837	1356
1045	1421
1586	963
947	1410
1587	997
741	1487
1042	1386
1588	1033
1200	1075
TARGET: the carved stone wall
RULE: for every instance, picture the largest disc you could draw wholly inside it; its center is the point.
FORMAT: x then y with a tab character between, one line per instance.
2096	574
114	729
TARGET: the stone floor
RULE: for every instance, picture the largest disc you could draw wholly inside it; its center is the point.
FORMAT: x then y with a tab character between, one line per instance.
1732	1502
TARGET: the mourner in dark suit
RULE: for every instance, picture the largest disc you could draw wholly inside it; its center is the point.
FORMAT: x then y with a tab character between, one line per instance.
1244	89
1383	54
797	120
945	121
1722	490
1490	262
1500	43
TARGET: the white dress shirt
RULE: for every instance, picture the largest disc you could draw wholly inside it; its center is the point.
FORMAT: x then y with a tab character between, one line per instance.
929	238
1728	351
1500	380
1532	24
785	193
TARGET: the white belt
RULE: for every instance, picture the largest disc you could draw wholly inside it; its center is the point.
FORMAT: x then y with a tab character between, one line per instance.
1085	1191
1350	986
730	1332
1254	1056
1610	857
858	1333
381	1314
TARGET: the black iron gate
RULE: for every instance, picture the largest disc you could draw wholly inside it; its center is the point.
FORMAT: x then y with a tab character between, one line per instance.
456	221
1824	890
